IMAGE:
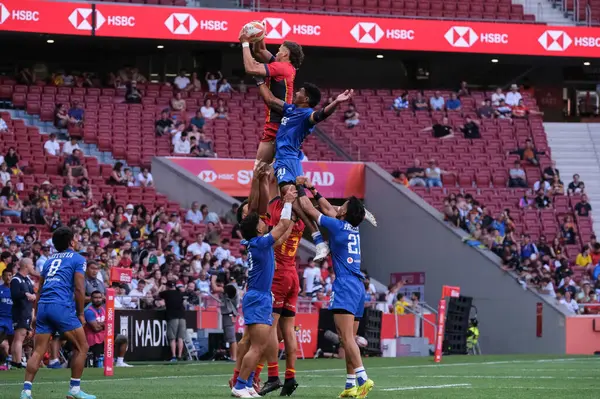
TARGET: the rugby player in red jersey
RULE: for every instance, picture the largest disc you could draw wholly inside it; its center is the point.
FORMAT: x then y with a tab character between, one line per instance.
280	72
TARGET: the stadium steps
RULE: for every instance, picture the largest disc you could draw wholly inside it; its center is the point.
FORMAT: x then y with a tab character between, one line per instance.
576	149
544	11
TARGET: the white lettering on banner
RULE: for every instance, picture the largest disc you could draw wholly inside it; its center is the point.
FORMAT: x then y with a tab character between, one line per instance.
309	30
25	15
150	333
321	178
400	34
587	41
245	176
213	25
4	13
495	38
304	336
121	21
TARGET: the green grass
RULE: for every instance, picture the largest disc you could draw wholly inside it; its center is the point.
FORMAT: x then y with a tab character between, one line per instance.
462	377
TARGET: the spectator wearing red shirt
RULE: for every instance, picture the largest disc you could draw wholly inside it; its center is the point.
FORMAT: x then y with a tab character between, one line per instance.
520	111
280	72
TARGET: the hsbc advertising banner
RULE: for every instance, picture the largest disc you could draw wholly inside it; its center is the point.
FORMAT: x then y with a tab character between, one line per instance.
233	176
134	21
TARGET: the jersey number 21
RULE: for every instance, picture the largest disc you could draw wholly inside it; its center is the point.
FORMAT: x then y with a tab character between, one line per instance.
354	244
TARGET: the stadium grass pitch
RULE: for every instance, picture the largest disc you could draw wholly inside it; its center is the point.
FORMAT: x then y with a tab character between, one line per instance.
462	377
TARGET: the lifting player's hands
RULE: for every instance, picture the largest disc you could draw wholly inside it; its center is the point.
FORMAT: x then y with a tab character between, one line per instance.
304	181
345	96
291	194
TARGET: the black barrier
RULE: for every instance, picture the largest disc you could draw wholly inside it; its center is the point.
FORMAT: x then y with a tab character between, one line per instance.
146	331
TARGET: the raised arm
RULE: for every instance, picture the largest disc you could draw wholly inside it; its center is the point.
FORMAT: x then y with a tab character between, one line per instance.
251	66
324	113
272	102
261	52
285	221
326	207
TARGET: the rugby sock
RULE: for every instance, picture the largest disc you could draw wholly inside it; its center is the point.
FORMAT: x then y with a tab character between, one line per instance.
75	385
350	381
273	369
250	380
361	375
53	361
258	370
119	360
27	385
289	374
317	237
240	384
236	374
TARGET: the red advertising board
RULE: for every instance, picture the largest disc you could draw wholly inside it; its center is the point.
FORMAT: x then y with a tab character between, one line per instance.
233	176
134	21
109	339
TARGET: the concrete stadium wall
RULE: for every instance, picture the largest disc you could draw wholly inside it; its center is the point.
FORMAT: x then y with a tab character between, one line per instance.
185	187
412	237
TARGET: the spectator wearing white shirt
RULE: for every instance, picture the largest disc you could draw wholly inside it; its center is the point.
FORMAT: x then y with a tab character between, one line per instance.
3	126
223	252
313	281
182	81
138	292
70	146
542	184
199	247
207	110
212	81
52	146
209	217
176	133
39	264
570	303
437	102
194	215
225	87
497	96
203	283
513	96
182	145
144	179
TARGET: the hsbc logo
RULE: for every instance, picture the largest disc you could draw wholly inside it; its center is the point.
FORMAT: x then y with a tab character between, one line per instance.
181	23
81	19
367	32
276	28
4	13
461	36
208	176
555	40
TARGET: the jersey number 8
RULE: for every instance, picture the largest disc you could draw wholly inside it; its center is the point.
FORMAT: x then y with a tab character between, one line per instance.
54	267
354	244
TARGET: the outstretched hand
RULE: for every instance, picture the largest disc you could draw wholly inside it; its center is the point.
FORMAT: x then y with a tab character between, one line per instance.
345	96
243	36
290	195
304	181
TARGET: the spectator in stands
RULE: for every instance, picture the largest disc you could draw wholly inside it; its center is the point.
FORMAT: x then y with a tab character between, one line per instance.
551	171
177	131
3	126
471	128
52	146
212	81
195	84
108	203
117	178
453	104
517	176
9	205
209	217
144	178
541	200
351	116
71	192
178	103
583	207
12	160
528	153
204	147
181	81
198	120
568	230
242	88
4	174
441	130
71	145
463	91
513	96
199	248
528	248
61	116
503	111
557	186
182	145
223	251
133	95
213	232
437	102
225	87
434	174
86	189
401	102
400	178
207	110
576	186
584	259
231	215
73	166
525	202
76	114
164	124
221	110
128	175
194	215
542	185
416	175
497	97
486	111
419	103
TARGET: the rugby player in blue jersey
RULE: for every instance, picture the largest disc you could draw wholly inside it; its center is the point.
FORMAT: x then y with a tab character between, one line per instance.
60	308
257	305
6	323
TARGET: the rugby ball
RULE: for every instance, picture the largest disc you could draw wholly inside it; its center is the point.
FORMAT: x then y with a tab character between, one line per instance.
361	341
255	31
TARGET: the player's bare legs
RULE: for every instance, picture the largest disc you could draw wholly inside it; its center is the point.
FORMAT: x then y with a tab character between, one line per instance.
80	350
266	151
271	352
40	345
242	349
54	349
17	346
350	389
290	342
259	340
347	327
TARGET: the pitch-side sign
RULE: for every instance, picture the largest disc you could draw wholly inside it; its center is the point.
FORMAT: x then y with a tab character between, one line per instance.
134	21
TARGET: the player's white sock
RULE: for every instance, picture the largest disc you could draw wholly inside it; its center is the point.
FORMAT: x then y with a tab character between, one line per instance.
350	380
75	385
119	360
317	237
27	385
361	375
53	361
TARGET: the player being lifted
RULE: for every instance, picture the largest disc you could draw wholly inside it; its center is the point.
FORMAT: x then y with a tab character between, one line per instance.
348	294
59	307
257	304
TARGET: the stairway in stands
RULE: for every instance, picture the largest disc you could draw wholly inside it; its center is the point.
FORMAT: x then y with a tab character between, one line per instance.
576	149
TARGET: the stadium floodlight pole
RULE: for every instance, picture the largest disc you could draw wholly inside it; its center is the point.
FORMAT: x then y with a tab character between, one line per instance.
447	292
109	338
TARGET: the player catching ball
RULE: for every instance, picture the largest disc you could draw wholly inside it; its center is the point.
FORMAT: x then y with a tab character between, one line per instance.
60	305
257	304
348	294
